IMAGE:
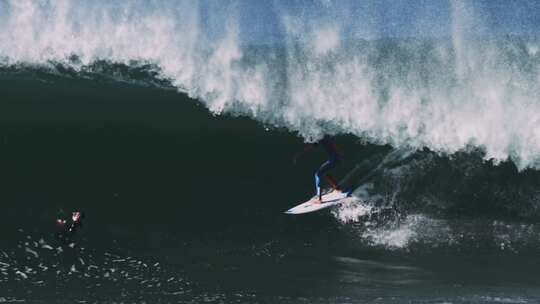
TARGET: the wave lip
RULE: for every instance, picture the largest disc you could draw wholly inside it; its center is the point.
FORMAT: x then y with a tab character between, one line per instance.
449	93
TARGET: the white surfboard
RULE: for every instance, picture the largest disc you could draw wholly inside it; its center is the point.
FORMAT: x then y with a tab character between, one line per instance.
329	199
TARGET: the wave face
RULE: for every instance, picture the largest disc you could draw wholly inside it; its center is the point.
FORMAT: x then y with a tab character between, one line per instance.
185	207
435	77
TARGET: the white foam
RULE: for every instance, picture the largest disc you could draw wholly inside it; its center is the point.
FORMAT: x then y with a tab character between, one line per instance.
21	274
401	233
391	237
454	95
352	210
34	253
325	39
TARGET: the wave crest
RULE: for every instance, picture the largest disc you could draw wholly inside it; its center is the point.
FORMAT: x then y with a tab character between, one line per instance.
447	93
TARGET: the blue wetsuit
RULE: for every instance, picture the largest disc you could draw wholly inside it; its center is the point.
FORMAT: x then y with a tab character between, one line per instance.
327	143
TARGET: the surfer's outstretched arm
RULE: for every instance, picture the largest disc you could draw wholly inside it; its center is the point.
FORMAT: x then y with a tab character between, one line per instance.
307	148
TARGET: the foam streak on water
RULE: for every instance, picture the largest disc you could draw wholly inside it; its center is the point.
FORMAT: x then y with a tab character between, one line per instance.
441	93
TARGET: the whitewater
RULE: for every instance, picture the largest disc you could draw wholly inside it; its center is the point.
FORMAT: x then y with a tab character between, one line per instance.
448	86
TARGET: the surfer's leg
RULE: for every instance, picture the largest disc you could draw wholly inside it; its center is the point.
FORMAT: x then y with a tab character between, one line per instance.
332	182
322	173
318	185
331	164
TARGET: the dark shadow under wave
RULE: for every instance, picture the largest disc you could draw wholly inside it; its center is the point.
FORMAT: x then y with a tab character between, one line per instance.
198	199
98	136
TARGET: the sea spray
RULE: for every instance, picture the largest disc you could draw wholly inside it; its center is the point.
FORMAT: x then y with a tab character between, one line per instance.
458	87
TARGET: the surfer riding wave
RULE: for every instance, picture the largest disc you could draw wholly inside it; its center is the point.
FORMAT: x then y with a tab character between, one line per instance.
334	159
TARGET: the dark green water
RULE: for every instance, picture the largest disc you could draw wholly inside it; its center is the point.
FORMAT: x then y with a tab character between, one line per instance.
186	207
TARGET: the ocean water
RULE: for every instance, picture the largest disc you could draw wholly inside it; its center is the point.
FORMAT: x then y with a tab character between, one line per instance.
174	130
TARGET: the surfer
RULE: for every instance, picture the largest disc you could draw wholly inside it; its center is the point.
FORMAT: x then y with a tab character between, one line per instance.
334	158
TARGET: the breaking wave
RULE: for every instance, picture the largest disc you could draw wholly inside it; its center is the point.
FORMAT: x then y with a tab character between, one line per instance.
314	71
